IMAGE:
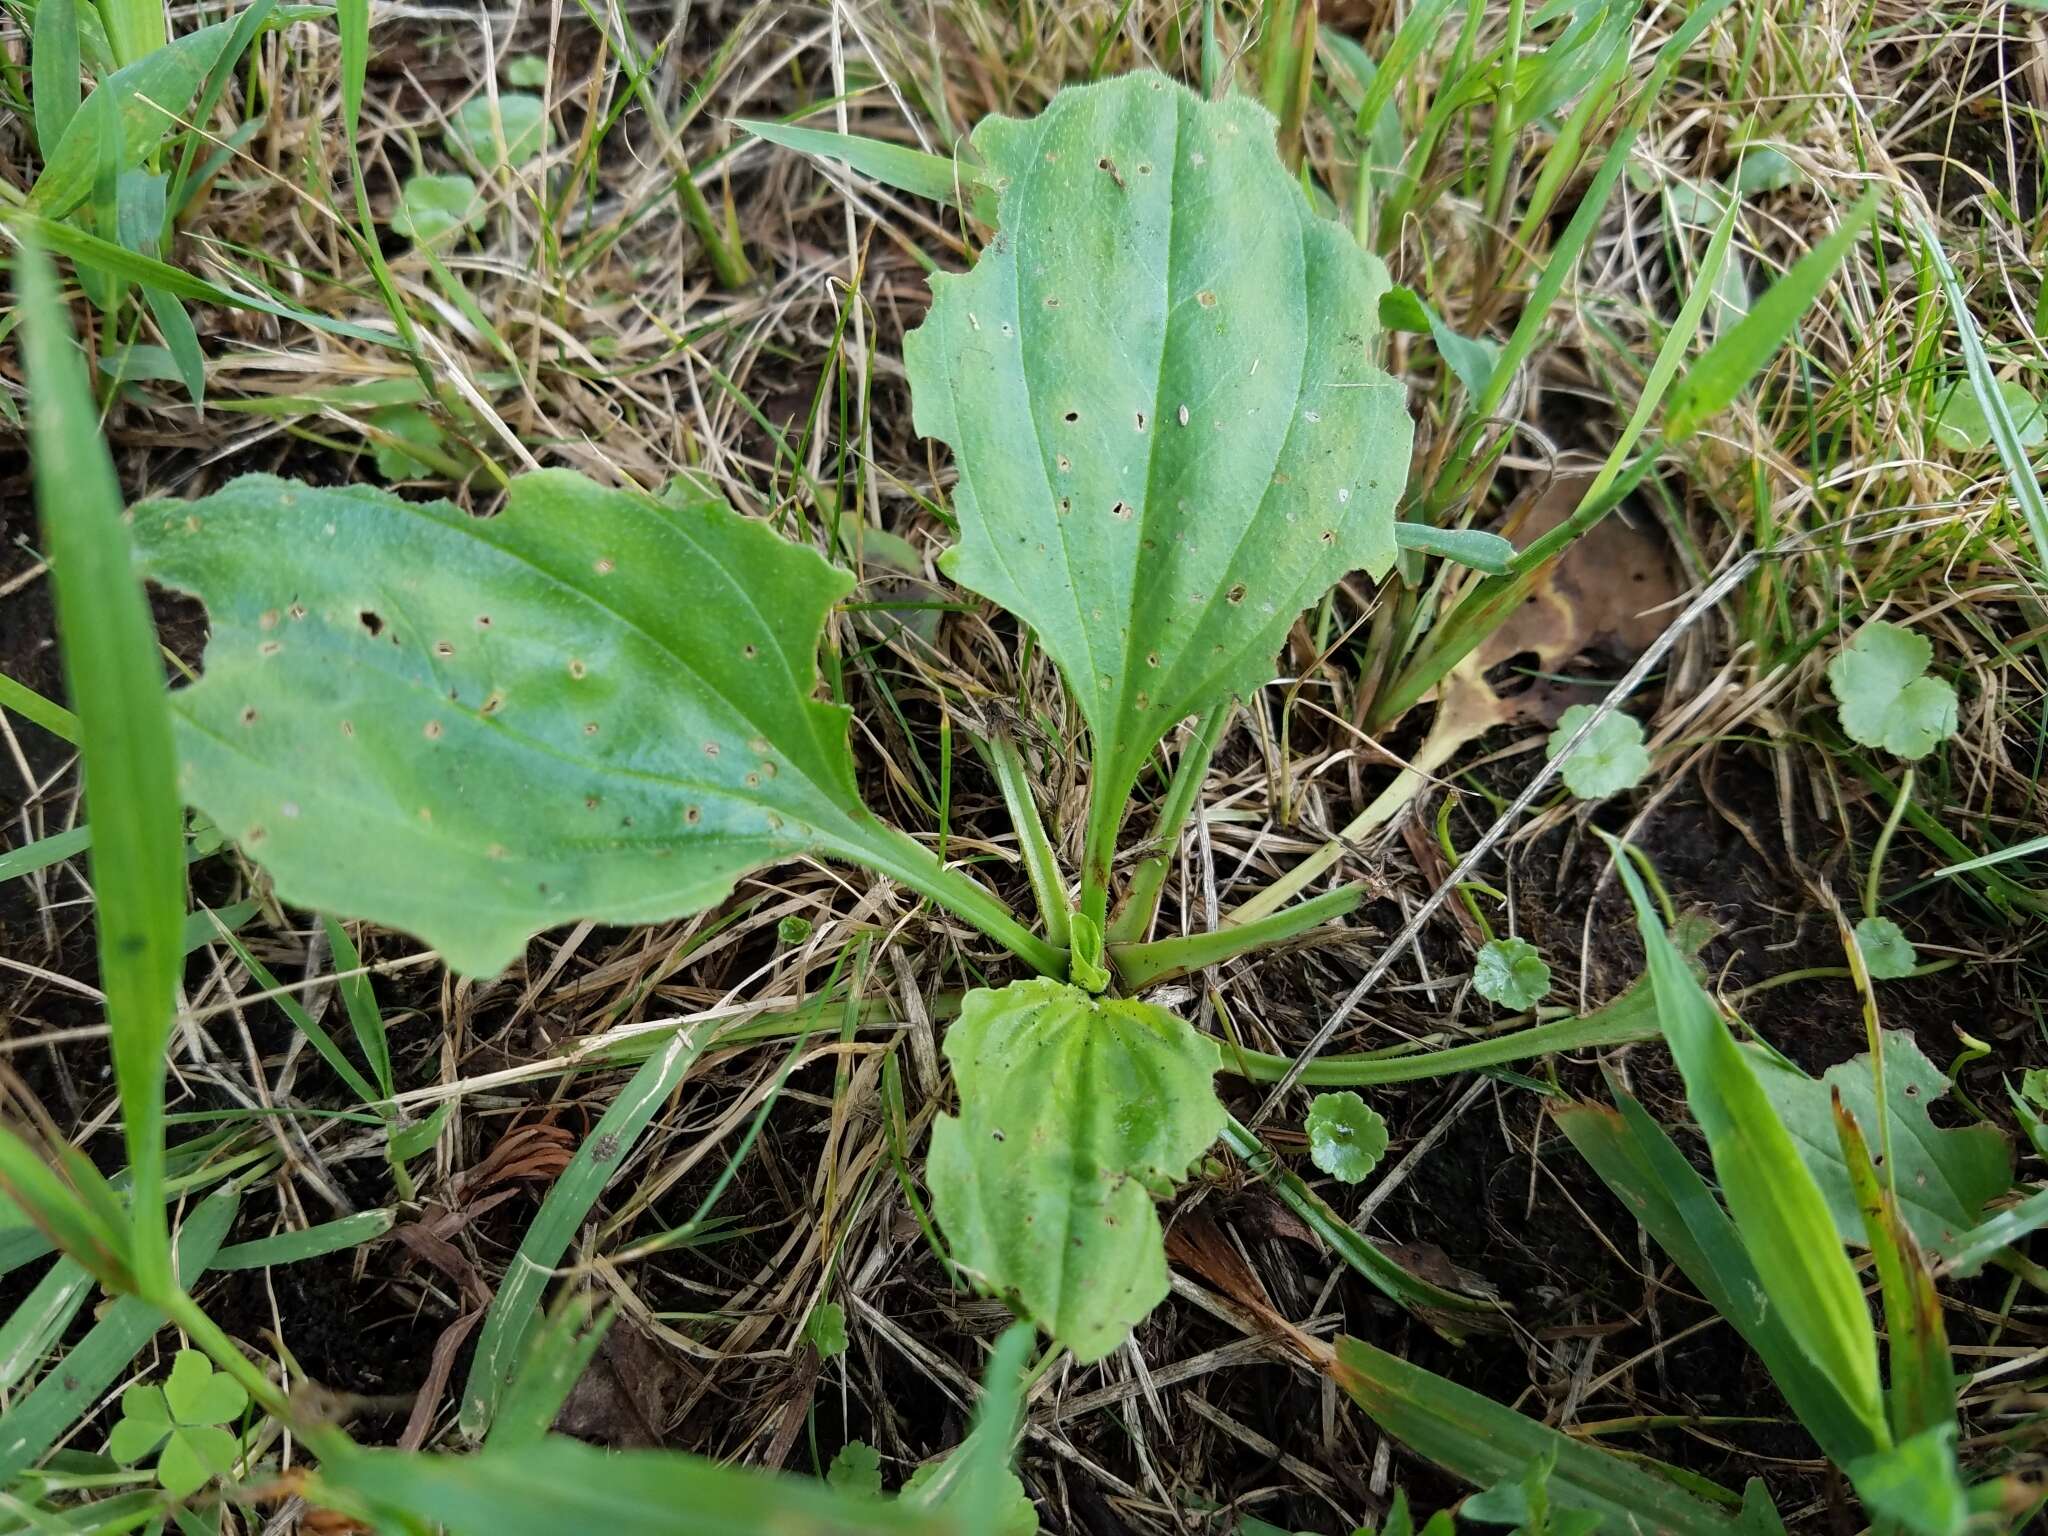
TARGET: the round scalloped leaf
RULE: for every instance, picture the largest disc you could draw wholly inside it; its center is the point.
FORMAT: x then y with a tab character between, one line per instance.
593	705
1961	422
1511	973
1159	389
856	1469
1346	1136
473	129
1070	1107
1886	698
1887	953
430	208
1610	760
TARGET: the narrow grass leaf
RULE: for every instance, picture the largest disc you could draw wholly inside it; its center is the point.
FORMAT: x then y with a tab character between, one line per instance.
352	18
43	852
36	709
330	1051
182	340
117	686
1484	1443
39	1321
1725	369
557	1353
69	1390
516	1306
54	68
361	1001
1779	1211
1970	1252
312	1242
937	177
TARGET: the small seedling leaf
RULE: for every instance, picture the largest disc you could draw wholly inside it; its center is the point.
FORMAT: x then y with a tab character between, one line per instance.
1961	422
1610	760
1510	972
475	728
827	1330
1943	1178
432	208
1070	1107
1346	1136
1170	433
528	71
1887	953
856	1469
1886	698
505	139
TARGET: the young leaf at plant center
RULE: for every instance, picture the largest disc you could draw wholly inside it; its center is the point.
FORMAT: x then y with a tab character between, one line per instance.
1914	1485
1346	1136
1071	1108
1961	424
1170	434
1510	972
856	1469
474	129
431	208
184	1415
1610	760
1887	699
1887	953
1943	1177
475	728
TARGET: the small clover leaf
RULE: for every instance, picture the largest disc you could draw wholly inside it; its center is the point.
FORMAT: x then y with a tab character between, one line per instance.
1346	1136
1887	953
431	208
856	1469
184	1416
1887	700
1611	759
475	131
1510	972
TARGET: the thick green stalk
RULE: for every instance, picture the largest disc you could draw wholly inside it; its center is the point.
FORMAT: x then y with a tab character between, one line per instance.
1140	965
1141	902
1040	862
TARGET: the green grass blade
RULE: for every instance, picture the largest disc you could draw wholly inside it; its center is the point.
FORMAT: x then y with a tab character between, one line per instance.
40	1320
1640	1164
1779	1210
70	1390
135	28
361	1001
330	1051
313	1242
1484	1443
181	339
1996	1233
1726	368
352	17
53	69
556	1355
36	709
937	177
2005	434
43	852
516	1306
116	683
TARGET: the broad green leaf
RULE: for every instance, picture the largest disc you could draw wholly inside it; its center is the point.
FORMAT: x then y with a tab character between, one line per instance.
1943	1177
1784	1220
475	728
1962	423
1072	1108
145	95
1158	386
1914	1486
112	668
1887	953
1510	972
431	208
1346	1136
1610	760
856	1469
503	139
560	1485
1886	698
1484	1442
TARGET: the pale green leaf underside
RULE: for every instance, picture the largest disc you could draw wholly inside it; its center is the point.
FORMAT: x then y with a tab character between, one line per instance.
592	705
1070	1106
1943	1177
1158	386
